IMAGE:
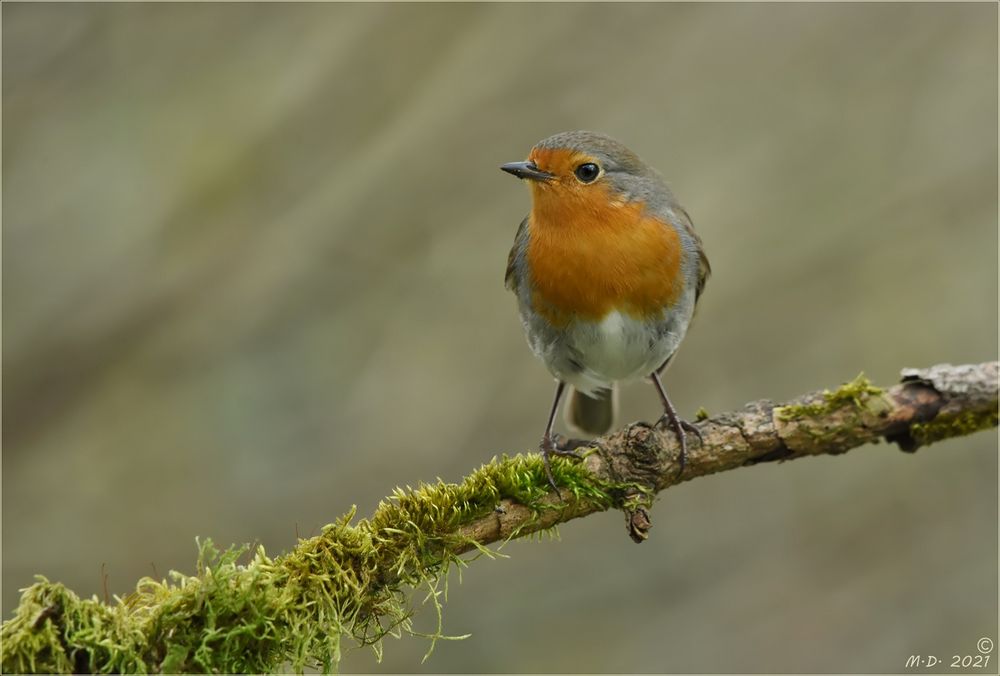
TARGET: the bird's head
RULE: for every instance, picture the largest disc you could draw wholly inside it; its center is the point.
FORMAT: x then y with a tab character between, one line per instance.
582	170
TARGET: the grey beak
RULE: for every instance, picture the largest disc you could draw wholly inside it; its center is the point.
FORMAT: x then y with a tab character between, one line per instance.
527	170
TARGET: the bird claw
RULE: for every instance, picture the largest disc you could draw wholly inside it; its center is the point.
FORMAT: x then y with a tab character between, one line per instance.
550	447
679	426
691	427
567	448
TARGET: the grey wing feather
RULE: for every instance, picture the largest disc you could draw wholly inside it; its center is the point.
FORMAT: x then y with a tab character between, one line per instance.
704	268
520	239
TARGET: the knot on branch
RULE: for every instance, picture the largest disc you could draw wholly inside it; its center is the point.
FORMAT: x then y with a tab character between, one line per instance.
944	401
635	461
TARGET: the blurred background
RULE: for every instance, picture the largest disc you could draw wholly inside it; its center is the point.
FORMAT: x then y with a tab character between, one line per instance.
253	265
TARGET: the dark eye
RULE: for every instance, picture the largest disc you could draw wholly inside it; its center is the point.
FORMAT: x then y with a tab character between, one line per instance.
587	172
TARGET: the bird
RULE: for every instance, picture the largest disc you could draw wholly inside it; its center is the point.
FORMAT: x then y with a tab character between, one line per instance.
607	270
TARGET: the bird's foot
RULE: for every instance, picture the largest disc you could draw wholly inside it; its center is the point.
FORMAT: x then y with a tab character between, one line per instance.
679	425
569	448
556	445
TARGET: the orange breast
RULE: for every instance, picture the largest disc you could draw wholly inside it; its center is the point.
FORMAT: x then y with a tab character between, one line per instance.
590	254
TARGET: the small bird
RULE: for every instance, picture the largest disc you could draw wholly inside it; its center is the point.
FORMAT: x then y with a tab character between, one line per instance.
607	270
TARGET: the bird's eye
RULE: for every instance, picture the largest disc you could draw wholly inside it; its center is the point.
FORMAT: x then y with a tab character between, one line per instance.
587	172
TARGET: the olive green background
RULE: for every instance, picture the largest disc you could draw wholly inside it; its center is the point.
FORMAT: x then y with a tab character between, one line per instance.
252	275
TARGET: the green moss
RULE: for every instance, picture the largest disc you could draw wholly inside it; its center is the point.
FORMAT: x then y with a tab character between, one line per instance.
245	612
947	426
854	393
701	414
637	496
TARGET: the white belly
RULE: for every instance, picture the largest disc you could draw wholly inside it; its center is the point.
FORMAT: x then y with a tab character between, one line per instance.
617	348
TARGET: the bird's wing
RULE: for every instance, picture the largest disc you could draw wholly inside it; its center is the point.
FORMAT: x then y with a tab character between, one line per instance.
704	269
510	277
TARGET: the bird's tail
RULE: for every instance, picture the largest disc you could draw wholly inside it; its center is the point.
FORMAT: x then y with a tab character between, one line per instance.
592	413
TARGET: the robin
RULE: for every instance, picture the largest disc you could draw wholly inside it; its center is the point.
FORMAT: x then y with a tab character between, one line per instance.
607	270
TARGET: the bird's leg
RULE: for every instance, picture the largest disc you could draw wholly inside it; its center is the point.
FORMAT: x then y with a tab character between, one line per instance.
678	425
548	445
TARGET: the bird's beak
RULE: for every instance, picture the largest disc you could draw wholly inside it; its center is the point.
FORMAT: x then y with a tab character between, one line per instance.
527	169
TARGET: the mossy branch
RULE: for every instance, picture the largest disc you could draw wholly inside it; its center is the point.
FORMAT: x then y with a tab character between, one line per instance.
246	612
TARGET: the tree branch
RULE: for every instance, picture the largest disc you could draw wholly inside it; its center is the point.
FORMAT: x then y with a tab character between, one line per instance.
929	405
266	613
